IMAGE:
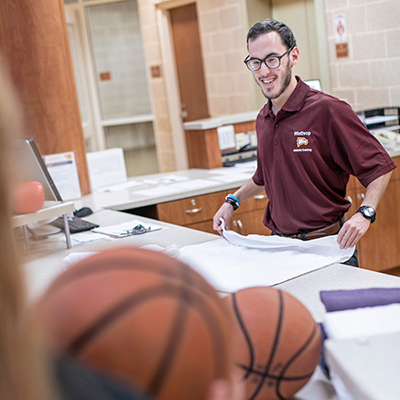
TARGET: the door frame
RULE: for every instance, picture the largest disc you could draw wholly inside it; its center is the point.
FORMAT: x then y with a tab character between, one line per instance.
171	79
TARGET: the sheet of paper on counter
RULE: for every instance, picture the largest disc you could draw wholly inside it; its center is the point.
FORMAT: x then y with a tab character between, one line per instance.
236	262
122	230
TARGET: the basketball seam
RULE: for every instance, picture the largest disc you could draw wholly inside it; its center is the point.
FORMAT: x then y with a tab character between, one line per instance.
246	335
196	301
292	359
274	348
174	337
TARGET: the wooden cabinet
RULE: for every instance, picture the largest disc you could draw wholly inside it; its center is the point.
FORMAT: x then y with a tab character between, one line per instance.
197	213
379	248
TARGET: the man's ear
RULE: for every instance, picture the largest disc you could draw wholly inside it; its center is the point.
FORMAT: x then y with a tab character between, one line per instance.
294	56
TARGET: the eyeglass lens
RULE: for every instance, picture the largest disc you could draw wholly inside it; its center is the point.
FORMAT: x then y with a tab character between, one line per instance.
255	64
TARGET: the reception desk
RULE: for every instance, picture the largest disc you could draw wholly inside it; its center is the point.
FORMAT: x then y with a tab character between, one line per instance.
45	262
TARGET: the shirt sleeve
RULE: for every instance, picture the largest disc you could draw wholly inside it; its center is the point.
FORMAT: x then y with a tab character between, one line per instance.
354	148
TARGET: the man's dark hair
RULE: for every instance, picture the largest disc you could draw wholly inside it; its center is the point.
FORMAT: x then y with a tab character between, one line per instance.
270	25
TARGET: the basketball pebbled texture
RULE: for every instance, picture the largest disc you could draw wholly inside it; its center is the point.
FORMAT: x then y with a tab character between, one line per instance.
278	342
144	318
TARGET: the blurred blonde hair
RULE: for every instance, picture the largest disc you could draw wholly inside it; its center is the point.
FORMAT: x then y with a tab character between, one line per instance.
23	374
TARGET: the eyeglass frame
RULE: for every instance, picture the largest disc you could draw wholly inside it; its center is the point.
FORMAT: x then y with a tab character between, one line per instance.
247	59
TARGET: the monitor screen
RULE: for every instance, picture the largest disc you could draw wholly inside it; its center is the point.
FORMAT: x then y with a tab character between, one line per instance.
29	166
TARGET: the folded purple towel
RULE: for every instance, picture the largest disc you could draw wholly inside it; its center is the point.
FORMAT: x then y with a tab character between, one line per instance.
338	300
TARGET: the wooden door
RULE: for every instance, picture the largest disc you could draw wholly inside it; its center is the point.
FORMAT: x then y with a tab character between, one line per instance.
34	41
189	62
379	248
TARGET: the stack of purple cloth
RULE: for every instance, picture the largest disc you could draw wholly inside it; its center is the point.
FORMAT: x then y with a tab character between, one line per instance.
339	300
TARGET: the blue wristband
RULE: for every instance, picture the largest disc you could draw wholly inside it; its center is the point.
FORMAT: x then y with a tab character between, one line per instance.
231	196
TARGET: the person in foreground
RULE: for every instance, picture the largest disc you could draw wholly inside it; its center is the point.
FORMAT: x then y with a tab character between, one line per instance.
309	143
30	369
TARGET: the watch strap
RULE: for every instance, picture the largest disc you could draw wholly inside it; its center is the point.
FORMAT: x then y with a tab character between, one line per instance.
371	217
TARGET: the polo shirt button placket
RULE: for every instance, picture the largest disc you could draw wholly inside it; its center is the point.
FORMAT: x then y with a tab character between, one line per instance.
276	126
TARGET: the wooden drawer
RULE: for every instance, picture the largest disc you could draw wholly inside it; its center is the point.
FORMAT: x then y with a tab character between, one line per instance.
191	210
203	208
245	223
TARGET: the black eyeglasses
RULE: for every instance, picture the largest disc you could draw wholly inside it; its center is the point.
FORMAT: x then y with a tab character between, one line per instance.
254	64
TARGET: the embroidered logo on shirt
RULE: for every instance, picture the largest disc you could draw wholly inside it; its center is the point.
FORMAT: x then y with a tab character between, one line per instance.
302	141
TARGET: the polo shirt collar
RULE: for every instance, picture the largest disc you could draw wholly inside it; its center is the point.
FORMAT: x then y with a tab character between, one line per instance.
295	101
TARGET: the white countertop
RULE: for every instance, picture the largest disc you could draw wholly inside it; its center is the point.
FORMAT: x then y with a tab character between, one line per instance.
45	262
215	122
198	182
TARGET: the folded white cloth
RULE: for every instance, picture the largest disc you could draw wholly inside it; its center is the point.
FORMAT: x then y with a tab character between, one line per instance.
237	261
73	258
362	322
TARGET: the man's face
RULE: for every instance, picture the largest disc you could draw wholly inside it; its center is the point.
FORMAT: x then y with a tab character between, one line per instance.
273	82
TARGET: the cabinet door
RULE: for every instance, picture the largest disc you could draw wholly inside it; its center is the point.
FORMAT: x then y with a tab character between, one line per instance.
191	210
246	223
250	222
379	248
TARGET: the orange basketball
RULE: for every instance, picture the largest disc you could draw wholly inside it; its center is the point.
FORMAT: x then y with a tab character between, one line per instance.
144	318
278	344
27	197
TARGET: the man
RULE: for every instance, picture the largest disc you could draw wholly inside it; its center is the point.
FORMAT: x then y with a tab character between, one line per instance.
308	145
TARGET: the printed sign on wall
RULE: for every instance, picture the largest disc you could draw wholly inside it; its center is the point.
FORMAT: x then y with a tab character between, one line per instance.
341	36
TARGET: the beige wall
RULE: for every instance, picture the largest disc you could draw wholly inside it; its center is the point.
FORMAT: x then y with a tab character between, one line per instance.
370	76
223	38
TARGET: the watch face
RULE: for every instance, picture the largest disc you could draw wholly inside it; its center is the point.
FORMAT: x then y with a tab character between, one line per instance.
369	211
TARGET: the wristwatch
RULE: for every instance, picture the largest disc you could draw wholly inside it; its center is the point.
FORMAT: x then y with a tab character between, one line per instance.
368	212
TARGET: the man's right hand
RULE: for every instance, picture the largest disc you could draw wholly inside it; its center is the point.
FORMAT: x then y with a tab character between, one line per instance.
225	212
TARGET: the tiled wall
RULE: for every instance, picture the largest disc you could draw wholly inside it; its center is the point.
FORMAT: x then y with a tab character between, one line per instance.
223	41
162	125
224	49
370	76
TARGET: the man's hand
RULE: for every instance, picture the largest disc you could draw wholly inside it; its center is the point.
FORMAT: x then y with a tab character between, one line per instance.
225	212
352	231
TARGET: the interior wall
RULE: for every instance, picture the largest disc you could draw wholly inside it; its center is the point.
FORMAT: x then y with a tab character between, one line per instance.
307	20
370	76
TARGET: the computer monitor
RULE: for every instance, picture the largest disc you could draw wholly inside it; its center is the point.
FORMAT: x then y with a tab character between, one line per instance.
314	83
29	166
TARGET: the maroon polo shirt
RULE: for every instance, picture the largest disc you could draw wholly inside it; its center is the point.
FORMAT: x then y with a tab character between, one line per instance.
305	156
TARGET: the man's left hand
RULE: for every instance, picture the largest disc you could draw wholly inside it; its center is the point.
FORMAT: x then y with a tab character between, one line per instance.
352	231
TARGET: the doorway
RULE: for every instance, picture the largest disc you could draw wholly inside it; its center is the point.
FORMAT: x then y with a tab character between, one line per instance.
189	62
307	20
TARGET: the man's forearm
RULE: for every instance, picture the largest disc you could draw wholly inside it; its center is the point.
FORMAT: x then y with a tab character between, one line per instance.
248	190
375	191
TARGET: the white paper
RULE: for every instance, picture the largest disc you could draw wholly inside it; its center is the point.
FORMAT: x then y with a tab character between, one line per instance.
122	230
106	167
120	186
362	322
233	177
194	184
226	137
62	169
250	165
236	262
73	258
340	28
166	179
159	191
85	237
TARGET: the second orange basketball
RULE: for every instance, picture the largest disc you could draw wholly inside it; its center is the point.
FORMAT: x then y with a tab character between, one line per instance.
278	342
